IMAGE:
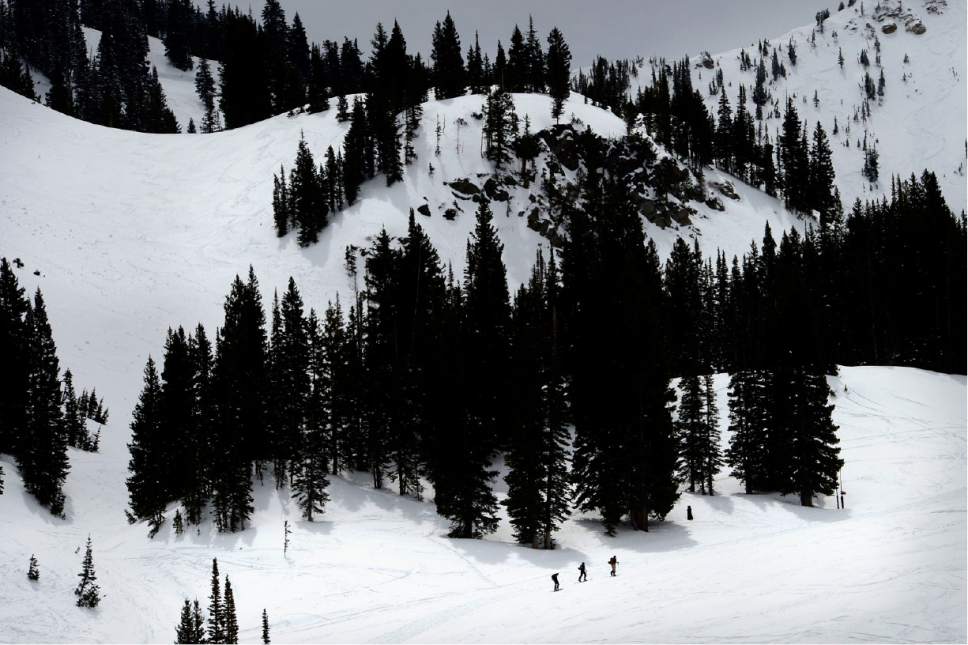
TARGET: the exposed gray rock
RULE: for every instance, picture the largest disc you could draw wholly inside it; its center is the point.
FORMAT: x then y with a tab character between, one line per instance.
464	186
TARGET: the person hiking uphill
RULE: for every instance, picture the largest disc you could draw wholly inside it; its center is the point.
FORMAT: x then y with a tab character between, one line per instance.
613	562
554	579
582	574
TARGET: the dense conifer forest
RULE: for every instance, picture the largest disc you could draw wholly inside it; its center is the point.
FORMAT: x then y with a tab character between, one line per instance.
428	377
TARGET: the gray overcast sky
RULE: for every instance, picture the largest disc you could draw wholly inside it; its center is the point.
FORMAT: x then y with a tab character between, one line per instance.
614	28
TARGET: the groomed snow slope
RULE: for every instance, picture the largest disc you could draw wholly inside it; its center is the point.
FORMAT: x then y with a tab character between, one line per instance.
378	568
921	122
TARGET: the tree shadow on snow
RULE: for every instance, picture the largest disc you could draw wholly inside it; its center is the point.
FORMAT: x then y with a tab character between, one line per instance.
351	492
316	527
491	552
30	503
791	504
718	503
661	536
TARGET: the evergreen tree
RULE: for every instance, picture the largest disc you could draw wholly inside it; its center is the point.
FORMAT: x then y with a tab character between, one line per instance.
500	127
357	153
538	487
558	72
691	429
216	609
616	359
871	164
240	389
74	425
815	456
535	60
231	620
247	85
290	369
821	180
318	91
265	628
309	480
88	593
420	294
42	452
282	215
205	89
724	132
448	71
199	451
712	454
760	94
516	69
526	147
175	413
298	57
499	71
334	181
309	207
331	387
14	345
470	502
488	317
191	624
476	78
748	418
146	495
795	171
381	357
33	571
180	15
14	75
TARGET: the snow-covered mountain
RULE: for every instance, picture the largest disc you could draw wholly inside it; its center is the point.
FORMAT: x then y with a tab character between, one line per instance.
130	233
919	123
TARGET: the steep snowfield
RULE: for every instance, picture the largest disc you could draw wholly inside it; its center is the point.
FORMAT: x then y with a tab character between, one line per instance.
378	568
920	123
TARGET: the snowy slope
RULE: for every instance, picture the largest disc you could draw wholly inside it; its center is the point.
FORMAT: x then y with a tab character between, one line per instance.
378	568
920	123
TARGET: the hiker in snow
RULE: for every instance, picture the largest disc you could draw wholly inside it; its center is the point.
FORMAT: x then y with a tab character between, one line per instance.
613	562
689	512
554	578
582	575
